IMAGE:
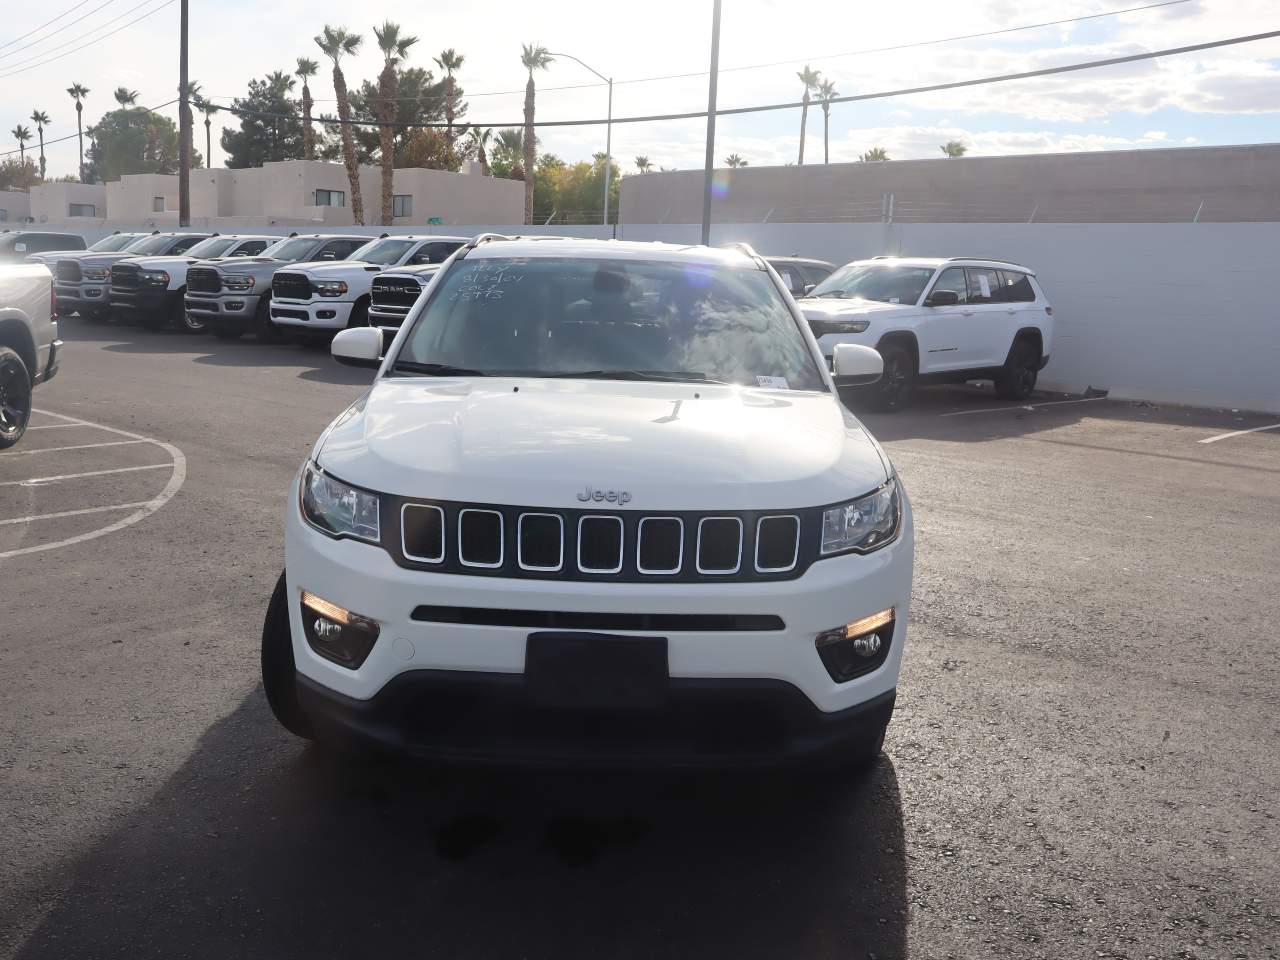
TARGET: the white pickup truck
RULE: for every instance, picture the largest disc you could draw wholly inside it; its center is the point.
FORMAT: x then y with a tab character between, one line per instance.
333	296
29	343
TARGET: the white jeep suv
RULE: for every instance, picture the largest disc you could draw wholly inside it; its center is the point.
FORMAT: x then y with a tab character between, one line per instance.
331	296
601	502
937	321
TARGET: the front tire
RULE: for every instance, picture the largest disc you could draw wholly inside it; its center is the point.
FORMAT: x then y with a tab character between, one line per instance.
359	314
268	330
1017	379
279	675
15	398
893	390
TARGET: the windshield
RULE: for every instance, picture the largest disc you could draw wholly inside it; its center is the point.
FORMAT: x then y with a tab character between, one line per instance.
292	248
886	282
117	241
384	251
158	243
213	247
610	319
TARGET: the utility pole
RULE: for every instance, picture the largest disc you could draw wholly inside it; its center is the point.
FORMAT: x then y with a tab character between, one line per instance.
184	128
711	123
608	136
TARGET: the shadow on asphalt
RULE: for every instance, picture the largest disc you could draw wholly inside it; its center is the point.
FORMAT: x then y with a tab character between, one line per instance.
259	847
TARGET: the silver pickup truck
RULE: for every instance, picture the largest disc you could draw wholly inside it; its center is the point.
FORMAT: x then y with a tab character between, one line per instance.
29	343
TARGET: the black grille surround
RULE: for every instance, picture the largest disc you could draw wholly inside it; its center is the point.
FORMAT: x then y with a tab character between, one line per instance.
416	532
204	280
290	286
394	294
68	271
126	276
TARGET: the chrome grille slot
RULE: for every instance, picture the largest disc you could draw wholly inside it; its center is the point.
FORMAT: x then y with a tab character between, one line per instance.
660	545
203	280
422	532
719	545
480	534
777	544
600	544
540	541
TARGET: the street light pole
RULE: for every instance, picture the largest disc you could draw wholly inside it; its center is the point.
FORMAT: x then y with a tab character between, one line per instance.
608	137
184	127
709	167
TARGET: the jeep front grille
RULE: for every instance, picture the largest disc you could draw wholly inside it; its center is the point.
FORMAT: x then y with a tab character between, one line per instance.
631	546
203	280
290	286
69	271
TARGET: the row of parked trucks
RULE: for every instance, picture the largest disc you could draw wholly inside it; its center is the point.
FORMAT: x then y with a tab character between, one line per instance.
230	285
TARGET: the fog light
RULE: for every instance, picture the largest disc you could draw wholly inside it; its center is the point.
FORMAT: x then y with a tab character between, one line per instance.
335	633
235	305
858	647
326	314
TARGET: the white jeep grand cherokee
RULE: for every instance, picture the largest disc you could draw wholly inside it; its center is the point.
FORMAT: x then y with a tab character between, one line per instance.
937	321
601	502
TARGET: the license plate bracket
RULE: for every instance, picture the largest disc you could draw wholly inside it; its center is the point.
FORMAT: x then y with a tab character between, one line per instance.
596	670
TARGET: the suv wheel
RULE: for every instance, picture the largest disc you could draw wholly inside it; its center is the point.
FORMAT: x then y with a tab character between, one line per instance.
279	675
15	398
893	390
1017	379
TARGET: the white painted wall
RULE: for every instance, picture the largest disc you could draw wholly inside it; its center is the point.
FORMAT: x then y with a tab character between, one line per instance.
1170	313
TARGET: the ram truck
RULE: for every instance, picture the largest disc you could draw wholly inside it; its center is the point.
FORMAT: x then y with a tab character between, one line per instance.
394	294
72	291
233	298
29	343
152	290
330	297
95	270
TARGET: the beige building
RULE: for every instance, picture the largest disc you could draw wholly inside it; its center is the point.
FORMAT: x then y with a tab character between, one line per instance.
15	207
70	204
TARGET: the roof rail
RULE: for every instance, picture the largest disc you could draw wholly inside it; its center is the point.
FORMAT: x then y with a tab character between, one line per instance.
1008	263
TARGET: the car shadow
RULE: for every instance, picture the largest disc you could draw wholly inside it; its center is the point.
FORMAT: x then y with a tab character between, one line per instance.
259	846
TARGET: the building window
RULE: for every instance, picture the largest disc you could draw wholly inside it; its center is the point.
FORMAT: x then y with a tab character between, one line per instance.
402	205
330	198
157	204
82	210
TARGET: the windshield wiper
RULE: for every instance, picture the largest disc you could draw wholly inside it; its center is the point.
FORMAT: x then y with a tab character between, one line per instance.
665	376
435	369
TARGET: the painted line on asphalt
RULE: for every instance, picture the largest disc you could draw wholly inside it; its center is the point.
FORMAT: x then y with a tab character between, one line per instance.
1238	433
1023	406
84	446
37	481
75	513
55	426
144	508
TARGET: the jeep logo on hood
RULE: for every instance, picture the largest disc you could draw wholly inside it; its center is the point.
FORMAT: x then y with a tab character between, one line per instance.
619	497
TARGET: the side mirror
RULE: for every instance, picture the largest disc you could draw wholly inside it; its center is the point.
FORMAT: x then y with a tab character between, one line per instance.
942	298
853	365
808	288
358	347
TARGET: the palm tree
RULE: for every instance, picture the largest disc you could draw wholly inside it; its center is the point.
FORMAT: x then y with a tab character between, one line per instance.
733	160
643	164
78	92
208	109
41	120
480	140
826	93
22	135
954	148
125	97
449	61
532	58
874	154
337	43
306	69
394	49
811	79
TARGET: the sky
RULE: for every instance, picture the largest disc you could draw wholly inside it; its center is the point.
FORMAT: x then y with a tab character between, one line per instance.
1225	96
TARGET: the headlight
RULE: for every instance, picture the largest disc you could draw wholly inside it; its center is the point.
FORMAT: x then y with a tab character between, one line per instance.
91	273
154	278
823	327
865	524
337	509
237	281
330	288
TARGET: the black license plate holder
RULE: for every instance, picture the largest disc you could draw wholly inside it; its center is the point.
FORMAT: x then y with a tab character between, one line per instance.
596	670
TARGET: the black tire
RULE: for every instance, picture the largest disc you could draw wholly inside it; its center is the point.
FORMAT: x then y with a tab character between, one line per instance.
893	390
95	315
1017	379
15	397
189	323
279	675
359	314
267	329
157	320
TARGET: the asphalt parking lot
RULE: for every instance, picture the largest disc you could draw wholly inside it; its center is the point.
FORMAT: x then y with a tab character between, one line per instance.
1083	762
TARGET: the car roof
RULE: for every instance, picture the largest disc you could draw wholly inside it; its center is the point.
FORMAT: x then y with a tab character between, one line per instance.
936	262
803	261
492	247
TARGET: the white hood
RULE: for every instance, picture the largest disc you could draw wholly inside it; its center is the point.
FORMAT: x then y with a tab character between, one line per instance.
337	268
671	446
835	309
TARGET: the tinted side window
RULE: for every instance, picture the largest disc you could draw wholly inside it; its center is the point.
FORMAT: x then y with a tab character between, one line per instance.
433	253
185	244
340	249
791	276
953	279
1016	288
251	248
815	274
984	284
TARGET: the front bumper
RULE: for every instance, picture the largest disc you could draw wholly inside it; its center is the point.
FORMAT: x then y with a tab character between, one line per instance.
140	301
74	297
314	315
222	307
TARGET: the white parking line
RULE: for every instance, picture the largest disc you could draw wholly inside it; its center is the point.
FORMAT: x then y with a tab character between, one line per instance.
143	509
75	513
54	426
1024	406
36	481
1238	433
84	446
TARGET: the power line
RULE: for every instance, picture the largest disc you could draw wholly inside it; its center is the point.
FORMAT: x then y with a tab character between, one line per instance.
73	136
9	43
54	33
111	33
